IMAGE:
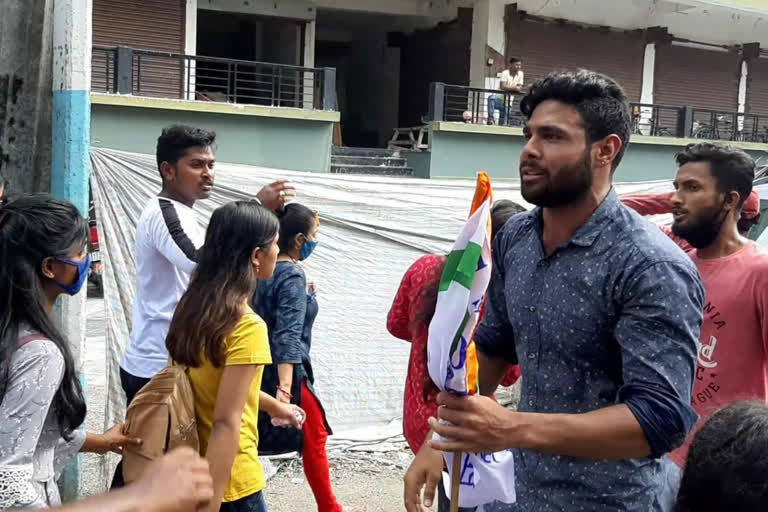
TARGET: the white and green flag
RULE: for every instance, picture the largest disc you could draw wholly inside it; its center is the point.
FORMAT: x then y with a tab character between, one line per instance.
451	357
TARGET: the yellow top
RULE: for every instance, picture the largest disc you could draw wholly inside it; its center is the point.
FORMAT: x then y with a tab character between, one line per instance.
246	344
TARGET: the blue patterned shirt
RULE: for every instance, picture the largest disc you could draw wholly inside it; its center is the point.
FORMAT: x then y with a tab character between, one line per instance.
610	317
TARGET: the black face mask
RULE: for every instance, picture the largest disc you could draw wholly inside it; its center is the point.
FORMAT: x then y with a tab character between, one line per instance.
704	232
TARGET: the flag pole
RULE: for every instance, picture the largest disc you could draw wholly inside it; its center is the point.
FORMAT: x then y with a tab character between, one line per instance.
482	194
456	481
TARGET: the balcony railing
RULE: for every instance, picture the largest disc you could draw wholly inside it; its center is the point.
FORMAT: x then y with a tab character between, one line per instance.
656	120
480	106
125	70
733	126
472	105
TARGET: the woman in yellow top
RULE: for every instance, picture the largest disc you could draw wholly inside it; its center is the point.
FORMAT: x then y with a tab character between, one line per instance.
224	343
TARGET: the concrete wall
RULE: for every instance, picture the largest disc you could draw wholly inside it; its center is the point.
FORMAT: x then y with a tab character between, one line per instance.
459	150
419	161
277	141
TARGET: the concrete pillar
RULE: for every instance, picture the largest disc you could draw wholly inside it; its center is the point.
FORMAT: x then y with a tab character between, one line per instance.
750	53
190	47
488	30
25	94
310	28
70	168
742	106
647	88
477	56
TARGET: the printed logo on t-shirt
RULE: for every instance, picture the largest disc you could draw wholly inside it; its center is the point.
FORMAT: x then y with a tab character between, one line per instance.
706	370
707	352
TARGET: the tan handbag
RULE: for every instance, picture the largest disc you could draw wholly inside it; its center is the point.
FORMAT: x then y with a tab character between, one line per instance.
162	415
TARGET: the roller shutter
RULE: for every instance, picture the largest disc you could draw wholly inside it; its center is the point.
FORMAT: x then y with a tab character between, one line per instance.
142	24
548	46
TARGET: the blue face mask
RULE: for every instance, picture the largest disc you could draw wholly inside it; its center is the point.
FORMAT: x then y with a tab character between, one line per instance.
306	249
82	274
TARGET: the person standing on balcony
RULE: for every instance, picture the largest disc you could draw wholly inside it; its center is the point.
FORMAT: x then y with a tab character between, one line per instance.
709	206
512	81
168	240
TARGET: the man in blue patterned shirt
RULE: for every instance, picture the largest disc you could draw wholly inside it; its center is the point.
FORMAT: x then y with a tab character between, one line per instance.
603	312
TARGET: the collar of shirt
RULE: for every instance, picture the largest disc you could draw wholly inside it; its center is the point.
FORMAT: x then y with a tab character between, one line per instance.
586	235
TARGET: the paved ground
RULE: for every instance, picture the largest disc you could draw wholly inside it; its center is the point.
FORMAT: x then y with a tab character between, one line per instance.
94	367
377	485
359	478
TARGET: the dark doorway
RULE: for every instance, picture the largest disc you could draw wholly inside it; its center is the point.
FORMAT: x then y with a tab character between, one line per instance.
257	43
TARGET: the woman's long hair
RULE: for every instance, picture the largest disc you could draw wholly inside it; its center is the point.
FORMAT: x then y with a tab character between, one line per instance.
221	284
32	228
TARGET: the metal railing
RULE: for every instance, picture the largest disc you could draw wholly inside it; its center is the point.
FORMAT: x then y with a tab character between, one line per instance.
125	70
471	105
656	120
731	126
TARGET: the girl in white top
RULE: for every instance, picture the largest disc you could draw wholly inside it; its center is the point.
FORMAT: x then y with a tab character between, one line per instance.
43	248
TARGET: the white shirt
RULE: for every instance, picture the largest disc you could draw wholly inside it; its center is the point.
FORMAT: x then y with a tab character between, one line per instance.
167	238
511	80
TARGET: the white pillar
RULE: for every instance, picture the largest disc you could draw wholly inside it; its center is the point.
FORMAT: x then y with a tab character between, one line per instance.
478	65
190	47
647	88
70	164
309	43
743	93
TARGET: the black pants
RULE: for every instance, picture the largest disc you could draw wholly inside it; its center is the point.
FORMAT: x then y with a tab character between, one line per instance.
131	385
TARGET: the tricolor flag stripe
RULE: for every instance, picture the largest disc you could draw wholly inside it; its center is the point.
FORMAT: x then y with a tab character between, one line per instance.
461	266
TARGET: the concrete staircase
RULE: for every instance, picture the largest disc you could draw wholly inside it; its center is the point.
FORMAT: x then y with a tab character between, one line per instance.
378	162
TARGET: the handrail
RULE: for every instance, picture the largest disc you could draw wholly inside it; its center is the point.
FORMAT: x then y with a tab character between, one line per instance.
143	72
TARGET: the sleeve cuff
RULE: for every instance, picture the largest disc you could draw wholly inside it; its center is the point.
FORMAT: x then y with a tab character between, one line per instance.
494	346
666	421
65	451
249	360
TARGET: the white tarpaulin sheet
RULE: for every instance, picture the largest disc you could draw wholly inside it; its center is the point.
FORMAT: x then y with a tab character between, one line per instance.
372	230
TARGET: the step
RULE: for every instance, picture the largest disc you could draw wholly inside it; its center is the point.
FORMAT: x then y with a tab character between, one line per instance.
368	161
371	170
369	152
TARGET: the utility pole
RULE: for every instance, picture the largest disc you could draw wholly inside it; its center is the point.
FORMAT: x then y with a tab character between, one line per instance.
26	30
70	169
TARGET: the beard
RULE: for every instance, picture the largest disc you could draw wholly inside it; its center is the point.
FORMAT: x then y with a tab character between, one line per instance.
702	231
571	184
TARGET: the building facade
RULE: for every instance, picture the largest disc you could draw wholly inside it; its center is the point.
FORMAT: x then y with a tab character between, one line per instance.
318	72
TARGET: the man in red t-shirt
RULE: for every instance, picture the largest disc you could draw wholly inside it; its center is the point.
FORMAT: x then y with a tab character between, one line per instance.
660	204
708	206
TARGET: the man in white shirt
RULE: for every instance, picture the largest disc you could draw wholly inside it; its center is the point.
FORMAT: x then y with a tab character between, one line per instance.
168	237
512	80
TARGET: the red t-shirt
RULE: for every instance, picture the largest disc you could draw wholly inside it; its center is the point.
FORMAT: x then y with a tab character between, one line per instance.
733	350
733	345
403	322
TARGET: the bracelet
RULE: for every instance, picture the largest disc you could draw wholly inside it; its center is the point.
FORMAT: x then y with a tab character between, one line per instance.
286	393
